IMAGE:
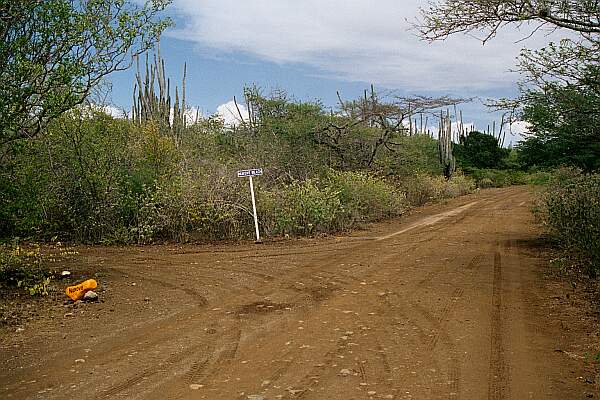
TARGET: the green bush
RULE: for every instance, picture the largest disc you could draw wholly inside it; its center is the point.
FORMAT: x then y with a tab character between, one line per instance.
421	189
458	185
336	201
192	207
301	208
572	214
366	197
490	178
539	177
487	178
24	269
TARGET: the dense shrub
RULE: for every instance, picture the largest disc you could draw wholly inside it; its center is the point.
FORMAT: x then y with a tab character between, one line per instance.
416	154
366	197
97	179
24	269
487	178
337	201
192	207
539	177
572	213
491	178
421	189
195	208
301	208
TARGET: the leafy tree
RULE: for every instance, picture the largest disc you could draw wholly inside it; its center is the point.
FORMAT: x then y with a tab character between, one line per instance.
480	150
54	52
559	92
63	177
565	124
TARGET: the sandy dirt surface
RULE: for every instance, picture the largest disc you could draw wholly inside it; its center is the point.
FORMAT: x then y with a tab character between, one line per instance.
450	302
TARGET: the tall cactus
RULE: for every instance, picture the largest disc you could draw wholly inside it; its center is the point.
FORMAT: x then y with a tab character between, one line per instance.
157	107
445	145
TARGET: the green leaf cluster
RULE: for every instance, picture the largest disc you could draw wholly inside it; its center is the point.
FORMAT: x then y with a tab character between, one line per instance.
565	124
54	52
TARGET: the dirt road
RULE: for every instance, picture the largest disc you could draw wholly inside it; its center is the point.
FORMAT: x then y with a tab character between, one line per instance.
446	303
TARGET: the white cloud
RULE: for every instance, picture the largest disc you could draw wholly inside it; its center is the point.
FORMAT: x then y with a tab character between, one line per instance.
354	40
191	114
519	128
228	112
113	111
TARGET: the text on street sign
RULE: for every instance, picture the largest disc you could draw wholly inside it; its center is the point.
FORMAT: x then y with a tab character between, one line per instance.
249	172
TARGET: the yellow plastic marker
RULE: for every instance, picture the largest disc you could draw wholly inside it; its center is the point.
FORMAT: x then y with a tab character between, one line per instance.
76	292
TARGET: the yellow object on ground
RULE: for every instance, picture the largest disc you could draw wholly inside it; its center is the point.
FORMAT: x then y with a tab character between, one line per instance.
76	292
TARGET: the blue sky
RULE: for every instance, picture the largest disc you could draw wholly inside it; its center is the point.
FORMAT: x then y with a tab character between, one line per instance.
312	49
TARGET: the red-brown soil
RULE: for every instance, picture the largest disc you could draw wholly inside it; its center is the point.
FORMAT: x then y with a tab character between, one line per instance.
451	302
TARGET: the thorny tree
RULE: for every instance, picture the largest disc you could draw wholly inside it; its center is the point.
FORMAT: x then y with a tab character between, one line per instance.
387	117
565	61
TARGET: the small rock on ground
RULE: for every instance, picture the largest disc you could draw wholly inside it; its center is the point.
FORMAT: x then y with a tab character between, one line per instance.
90	296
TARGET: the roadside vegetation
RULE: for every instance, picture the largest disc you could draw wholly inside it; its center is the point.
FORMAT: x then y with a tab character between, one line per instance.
71	172
97	179
570	209
24	269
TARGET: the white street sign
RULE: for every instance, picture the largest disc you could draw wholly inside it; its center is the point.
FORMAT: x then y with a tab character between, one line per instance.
249	173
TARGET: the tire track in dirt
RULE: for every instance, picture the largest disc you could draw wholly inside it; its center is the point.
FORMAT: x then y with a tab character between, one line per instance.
287	254
148	372
350	281
194	294
349	253
430	322
475	263
219	360
497	379
441	337
194	365
308	382
453	371
260	275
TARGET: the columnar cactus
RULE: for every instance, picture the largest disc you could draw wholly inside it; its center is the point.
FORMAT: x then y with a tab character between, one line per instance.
445	145
151	106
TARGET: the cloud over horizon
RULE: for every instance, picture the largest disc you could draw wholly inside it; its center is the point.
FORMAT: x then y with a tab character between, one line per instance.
230	115
353	40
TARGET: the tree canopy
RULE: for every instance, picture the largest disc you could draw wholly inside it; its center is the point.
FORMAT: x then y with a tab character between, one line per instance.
54	52
565	124
559	91
448	17
480	150
563	61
